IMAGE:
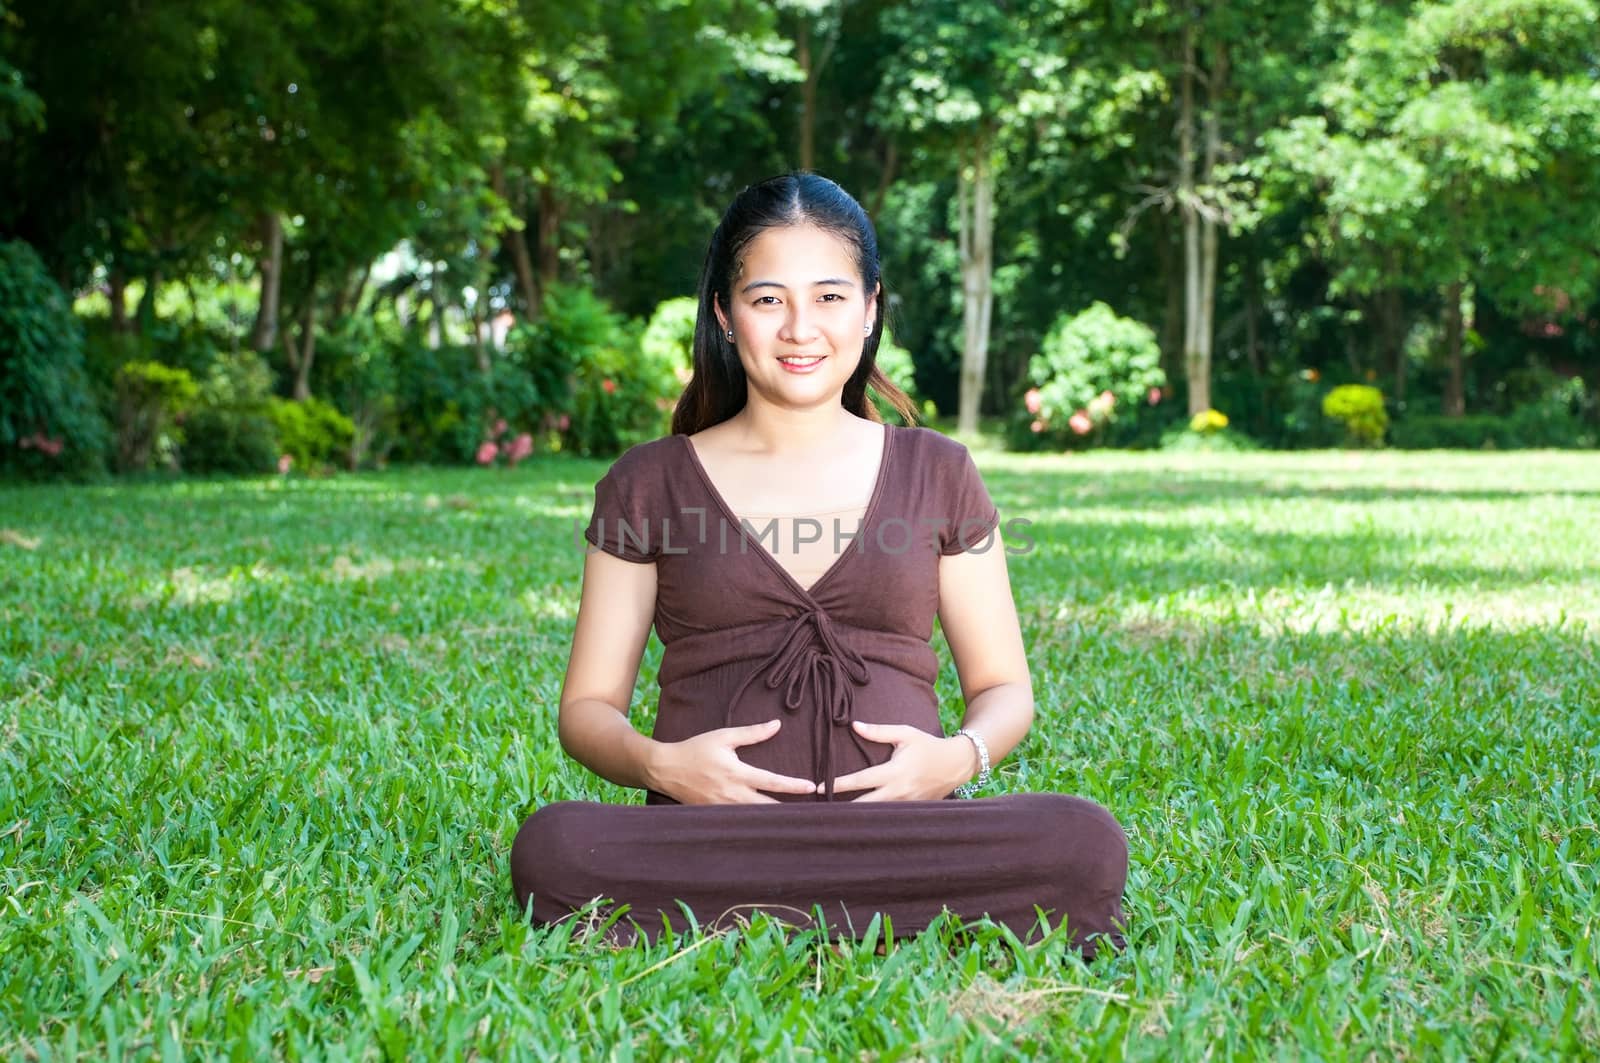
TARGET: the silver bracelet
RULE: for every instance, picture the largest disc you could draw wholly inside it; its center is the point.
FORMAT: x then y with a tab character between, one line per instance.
968	789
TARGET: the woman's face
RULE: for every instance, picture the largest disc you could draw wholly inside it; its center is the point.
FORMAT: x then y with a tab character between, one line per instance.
799	315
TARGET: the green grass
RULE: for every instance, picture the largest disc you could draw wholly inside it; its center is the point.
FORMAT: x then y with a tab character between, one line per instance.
264	746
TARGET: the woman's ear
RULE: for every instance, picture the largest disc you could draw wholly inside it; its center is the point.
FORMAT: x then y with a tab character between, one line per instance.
722	317
874	306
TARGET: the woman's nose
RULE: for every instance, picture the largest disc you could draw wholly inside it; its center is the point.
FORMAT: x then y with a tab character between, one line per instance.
798	326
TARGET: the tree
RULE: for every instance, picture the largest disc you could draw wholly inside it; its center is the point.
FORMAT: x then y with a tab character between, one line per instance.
1458	150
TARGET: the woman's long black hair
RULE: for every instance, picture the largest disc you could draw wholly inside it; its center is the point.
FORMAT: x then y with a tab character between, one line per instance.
717	389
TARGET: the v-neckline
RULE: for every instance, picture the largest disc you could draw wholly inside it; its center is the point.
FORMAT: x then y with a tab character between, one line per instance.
809	593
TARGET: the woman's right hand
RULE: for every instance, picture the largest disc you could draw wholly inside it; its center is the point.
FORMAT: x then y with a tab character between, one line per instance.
705	770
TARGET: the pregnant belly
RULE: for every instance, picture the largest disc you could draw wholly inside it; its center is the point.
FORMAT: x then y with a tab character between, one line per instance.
889	697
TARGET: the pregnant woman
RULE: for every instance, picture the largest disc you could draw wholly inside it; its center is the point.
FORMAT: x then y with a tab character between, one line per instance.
791	551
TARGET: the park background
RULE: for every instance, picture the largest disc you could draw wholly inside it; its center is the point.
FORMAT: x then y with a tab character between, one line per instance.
1278	321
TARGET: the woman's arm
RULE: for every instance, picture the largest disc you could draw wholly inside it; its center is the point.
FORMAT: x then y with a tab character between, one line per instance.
979	620
614	616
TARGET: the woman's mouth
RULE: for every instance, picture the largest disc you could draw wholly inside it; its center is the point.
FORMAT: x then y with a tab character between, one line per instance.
801	364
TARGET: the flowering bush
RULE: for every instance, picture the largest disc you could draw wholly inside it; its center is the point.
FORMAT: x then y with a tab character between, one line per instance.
1208	421
499	449
1089	367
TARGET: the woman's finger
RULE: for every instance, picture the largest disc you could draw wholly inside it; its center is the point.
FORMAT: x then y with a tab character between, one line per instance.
864	779
760	778
750	734
888	733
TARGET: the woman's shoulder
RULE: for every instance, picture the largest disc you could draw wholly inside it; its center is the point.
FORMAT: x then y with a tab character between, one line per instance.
649	459
931	444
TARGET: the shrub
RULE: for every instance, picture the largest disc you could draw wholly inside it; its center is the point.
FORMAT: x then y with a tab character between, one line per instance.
49	422
1207	432
619	394
894	362
312	433
1212	436
151	401
356	368
1089	366
669	335
1556	415
1527	427
231	429
1359	407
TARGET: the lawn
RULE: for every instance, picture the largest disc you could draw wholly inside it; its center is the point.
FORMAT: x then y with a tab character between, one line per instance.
266	743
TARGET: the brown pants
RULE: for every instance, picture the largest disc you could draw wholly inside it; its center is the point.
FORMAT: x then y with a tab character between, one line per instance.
996	856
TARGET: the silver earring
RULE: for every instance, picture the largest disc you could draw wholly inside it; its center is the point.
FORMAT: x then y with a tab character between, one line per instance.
867	330
730	335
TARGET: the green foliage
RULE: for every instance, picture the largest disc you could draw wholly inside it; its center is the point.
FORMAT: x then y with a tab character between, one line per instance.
357	369
313	433
151	401
669	335
621	395
49	423
894	362
1090	366
1359	407
231	429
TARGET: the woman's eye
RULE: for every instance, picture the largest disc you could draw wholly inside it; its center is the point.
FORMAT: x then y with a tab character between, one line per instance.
832	297
766	300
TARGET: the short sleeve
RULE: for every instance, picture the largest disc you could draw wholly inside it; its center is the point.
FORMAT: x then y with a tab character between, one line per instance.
621	524
971	513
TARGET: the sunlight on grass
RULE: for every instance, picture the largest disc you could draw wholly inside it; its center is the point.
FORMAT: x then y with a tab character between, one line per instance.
264	745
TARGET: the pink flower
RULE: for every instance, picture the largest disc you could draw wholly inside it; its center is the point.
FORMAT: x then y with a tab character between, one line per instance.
1154	396
51	447
608	386
487	453
1108	398
285	463
499	429
563	423
1033	401
1080	423
520	448
1036	426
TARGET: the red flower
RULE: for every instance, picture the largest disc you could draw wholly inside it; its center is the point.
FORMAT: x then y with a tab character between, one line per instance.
520	448
609	386
1080	423
1033	401
487	453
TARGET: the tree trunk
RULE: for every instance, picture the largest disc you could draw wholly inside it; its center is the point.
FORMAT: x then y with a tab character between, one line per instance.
1252	314
301	355
308	349
119	300
519	244
808	95
264	336
1172	320
1455	402
145	312
549	248
886	176
1195	369
976	236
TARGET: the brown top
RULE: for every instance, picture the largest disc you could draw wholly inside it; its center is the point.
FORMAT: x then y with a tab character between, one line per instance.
745	641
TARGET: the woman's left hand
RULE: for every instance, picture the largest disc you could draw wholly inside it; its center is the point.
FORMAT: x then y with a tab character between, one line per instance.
922	767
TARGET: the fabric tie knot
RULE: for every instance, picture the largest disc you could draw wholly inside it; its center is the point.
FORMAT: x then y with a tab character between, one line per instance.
819	670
